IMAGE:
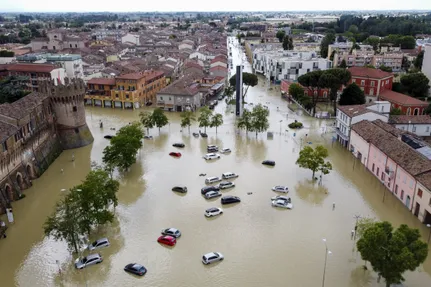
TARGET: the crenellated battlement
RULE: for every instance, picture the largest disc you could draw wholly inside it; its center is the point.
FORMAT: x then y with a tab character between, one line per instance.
71	88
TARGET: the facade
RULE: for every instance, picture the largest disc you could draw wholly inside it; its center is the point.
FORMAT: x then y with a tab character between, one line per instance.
419	125
35	73
401	162
279	65
182	95
131	38
346	48
391	60
408	105
426	63
71	63
372	81
34	131
57	40
349	115
128	91
322	94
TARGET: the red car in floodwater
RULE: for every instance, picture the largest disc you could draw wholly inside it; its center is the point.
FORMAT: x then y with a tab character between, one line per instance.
175	154
167	240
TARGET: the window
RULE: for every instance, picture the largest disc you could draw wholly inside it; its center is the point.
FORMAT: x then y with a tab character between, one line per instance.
70	45
396	189
77	131
76	45
378	171
411	183
75	109
372	83
170	98
420	193
371	92
414	128
4	145
127	96
428	129
383	176
405	179
116	95
372	168
362	82
402	194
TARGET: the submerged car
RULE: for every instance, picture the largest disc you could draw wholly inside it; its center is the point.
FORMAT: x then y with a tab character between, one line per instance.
136	269
204	135
81	263
175	154
210	156
148	137
212	179
225	150
213	211
172	232
268	162
282	203
102	242
280	188
212	194
196	135
230	199
209	188
282	197
228	175
212	148
226	185
212	257
181	189
179	145
167	240
108	137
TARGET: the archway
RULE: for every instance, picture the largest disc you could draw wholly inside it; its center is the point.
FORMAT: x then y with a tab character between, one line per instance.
9	192
19	180
416	112
30	171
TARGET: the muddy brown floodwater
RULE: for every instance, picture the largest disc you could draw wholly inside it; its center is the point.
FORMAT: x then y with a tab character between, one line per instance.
263	246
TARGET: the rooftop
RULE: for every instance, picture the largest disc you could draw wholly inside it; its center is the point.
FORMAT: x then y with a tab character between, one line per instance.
63	57
140	75
102	81
22	107
369	73
185	86
401	99
403	119
36	68
355	110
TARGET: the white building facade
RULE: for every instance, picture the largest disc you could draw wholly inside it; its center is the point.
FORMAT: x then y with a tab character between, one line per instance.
72	64
426	64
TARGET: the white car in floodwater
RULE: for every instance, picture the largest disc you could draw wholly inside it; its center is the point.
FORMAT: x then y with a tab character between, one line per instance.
282	203
225	150
210	156
281	188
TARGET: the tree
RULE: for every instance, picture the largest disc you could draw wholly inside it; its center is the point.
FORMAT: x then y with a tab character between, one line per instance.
287	43
363	224
259	119
13	88
353	29
406	64
312	81
334	79
428	110
390	252
314	159
187	118
343	64
296	91
245	121
204	118
216	121
352	95
280	35
328	39
373	41
121	152
159	118
248	79
396	112
415	84
146	120
419	60
385	69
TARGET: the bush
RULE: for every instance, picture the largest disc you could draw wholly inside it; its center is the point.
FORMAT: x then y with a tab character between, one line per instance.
295	125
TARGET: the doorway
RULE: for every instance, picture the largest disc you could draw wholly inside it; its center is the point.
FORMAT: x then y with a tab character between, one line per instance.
427	217
417	208
408	201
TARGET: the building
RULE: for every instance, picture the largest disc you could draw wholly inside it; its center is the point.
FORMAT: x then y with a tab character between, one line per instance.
182	95
419	125
35	73
57	40
399	160
131	38
35	129
408	105
277	65
390	60
322	94
426	63
127	91
372	81
343	48
349	115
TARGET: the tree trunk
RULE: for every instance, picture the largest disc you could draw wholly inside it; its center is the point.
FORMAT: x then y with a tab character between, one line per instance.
313	173
256	134
189	128
205	129
216	130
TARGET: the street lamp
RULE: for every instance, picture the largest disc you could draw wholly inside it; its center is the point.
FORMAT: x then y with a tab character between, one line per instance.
280	125
357	217
429	235
327	252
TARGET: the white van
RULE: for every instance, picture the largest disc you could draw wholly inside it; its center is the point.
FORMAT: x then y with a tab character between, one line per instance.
228	175
212	179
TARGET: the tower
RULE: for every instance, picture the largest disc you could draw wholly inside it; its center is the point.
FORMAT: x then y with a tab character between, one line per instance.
67	102
238	91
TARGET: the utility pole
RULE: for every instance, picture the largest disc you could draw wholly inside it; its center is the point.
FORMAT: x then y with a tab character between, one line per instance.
357	217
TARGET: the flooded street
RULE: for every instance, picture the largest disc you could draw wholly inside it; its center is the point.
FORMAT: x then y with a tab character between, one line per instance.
263	246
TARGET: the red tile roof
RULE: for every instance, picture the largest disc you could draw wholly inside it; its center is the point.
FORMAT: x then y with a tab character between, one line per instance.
404	119
369	73
102	81
36	68
140	75
220	68
401	99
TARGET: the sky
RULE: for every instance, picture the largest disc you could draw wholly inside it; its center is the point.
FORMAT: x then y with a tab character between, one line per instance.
202	5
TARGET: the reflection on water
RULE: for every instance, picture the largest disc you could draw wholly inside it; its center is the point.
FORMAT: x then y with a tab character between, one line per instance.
263	246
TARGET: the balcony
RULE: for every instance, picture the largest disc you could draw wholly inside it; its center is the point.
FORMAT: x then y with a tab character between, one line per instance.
341	134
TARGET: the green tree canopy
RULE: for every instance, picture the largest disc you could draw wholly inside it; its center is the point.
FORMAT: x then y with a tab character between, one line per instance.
328	39
334	79
287	43
123	147
187	118
312	81
396	112
390	252
159	118
248	79
280	35
259	119
216	121
428	110
385	69
146	120
419	60
352	95
343	64
245	121
373	41
13	88
314	159
296	91
204	118
415	84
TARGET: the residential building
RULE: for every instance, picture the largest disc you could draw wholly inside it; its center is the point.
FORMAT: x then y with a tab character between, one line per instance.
277	65
349	115
127	91
419	125
57	40
353	59
408	105
131	38
399	160
372	81
71	63
183	94
426	63
390	60
35	73
343	48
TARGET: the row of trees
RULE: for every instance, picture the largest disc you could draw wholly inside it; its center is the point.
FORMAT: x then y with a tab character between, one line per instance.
206	119
255	120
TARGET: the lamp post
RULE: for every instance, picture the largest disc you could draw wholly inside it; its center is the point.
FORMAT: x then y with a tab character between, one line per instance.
280	125
327	252
357	217
429	235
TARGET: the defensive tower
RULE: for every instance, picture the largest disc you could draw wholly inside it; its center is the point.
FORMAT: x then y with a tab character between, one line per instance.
67	101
